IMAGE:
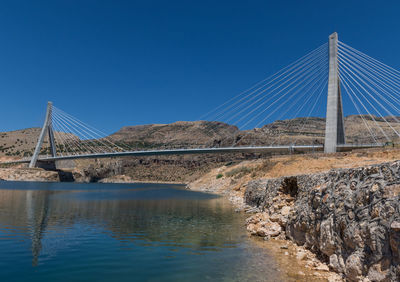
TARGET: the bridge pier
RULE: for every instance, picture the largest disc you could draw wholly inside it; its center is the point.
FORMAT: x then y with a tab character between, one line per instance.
334	127
47	127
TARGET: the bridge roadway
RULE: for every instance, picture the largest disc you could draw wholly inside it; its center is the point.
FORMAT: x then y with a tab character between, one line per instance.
260	149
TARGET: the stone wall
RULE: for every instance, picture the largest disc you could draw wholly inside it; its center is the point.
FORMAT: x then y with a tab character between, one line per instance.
349	217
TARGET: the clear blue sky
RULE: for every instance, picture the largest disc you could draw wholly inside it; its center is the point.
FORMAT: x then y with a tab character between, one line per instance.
115	63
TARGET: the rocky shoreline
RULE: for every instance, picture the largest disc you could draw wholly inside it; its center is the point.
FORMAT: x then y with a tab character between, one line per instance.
347	220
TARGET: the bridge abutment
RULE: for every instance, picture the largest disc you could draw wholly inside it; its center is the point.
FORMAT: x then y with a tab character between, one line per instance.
56	164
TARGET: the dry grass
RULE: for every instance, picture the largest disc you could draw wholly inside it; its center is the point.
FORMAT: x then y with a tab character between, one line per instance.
236	176
238	172
306	164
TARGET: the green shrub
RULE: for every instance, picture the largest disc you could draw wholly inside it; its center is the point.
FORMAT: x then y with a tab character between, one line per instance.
238	172
219	175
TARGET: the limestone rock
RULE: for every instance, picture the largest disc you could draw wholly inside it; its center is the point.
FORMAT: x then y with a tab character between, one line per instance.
285	211
327	242
336	263
301	255
395	226
375	273
252	228
322	267
354	267
350	216
263	232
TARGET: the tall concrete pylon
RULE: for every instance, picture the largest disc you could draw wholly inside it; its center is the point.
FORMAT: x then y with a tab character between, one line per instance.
47	127
334	127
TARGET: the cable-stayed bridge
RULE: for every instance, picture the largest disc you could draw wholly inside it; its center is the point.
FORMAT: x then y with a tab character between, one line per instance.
331	81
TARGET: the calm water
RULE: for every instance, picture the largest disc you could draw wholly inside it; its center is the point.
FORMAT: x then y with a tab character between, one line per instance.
123	232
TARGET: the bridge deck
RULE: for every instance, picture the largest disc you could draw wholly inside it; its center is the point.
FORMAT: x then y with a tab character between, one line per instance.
261	149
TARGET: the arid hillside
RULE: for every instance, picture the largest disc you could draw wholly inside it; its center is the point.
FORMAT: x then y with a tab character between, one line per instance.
185	134
281	132
178	134
21	143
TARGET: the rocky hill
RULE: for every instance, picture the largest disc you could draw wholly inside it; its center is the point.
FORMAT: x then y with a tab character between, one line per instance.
176	135
218	134
186	134
21	143
18	142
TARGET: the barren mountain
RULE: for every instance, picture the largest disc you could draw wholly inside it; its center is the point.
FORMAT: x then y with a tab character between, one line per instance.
176	135
359	129
186	134
21	143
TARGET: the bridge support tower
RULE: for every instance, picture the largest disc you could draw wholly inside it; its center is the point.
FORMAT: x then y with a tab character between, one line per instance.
47	128
334	127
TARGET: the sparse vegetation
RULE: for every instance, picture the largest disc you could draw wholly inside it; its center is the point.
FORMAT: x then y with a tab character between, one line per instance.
239	172
266	165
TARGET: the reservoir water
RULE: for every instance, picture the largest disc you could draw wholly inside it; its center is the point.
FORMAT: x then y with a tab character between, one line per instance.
124	232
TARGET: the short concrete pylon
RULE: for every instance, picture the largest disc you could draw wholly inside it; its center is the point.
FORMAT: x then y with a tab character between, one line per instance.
334	127
47	126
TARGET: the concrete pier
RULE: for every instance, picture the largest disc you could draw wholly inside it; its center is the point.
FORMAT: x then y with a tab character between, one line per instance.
47	128
334	127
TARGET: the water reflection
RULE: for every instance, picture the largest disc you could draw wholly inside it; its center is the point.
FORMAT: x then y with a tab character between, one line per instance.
157	222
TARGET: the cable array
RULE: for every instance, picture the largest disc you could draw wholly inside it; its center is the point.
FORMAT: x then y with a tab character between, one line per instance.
286	108
291	92
373	88
74	137
246	109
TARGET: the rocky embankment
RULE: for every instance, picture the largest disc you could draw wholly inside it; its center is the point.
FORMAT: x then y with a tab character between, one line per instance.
91	174
21	174
349	218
